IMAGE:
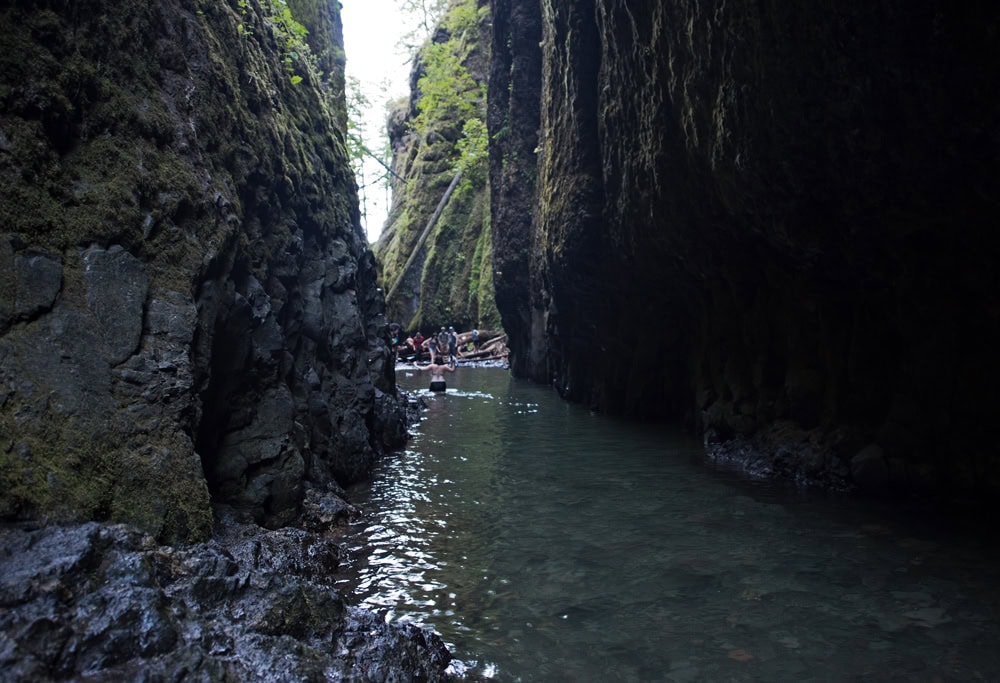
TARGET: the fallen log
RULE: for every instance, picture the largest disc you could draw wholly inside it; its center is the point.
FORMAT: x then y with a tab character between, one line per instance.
484	336
475	355
497	348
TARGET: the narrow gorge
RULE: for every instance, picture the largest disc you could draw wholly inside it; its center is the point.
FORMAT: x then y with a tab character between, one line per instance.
750	237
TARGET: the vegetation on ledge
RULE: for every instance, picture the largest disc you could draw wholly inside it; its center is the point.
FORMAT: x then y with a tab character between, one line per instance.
440	134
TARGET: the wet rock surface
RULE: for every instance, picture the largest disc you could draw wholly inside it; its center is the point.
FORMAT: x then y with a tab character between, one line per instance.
188	308
748	216
191	346
106	602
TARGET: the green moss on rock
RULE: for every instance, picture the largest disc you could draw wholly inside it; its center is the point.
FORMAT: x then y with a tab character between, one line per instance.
173	131
445	285
65	471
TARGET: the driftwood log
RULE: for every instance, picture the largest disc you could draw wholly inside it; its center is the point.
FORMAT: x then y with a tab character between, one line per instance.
485	336
494	348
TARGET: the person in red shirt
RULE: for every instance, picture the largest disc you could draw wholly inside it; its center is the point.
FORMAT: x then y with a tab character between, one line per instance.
418	344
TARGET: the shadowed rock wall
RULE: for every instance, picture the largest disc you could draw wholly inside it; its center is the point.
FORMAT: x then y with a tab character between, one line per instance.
773	222
514	96
188	309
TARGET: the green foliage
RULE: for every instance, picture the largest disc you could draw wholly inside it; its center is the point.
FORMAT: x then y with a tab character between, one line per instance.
358	149
462	20
423	15
291	34
450	98
294	32
454	285
357	104
448	93
473	147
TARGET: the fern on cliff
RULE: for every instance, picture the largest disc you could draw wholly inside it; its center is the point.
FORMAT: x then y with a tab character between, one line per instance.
288	31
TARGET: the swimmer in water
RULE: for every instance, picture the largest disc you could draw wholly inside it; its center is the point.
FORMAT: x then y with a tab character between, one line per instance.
437	375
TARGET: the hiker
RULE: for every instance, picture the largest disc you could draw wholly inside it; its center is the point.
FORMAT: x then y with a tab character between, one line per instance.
394	338
409	348
432	346
437	375
475	339
443	338
418	344
452	345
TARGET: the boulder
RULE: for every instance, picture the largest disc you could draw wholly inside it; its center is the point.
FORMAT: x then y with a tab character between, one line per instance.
107	602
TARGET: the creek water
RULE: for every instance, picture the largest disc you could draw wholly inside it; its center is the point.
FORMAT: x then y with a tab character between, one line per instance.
546	543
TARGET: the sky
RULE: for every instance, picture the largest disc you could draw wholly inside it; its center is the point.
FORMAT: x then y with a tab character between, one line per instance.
372	32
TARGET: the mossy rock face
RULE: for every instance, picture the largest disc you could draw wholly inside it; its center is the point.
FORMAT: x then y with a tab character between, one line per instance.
179	244
796	214
450	278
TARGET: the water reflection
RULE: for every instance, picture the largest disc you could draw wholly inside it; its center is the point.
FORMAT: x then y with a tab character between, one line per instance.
545	543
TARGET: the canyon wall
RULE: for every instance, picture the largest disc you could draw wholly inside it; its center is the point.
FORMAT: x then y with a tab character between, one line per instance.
773	223
436	249
192	358
188	306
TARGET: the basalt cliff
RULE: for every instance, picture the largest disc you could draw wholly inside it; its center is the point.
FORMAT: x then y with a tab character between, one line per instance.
436	250
188	307
190	335
775	222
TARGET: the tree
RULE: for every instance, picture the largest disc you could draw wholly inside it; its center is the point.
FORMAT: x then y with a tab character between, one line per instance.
358	148
424	15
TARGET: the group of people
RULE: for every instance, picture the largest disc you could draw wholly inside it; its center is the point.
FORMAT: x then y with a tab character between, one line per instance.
442	347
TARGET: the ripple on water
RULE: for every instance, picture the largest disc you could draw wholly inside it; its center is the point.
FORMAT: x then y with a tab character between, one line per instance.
546	543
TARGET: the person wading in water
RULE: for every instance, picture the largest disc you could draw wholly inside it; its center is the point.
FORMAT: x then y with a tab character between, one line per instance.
437	375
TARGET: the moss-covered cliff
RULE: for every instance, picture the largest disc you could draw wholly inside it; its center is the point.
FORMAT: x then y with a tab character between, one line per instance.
188	309
773	222
448	278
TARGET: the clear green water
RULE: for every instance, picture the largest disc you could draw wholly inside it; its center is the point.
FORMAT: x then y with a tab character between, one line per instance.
545	543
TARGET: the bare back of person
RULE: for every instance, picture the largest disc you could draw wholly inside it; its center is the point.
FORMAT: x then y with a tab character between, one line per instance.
437	371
